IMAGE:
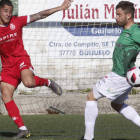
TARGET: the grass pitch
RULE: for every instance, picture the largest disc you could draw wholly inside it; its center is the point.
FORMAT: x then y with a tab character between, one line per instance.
70	127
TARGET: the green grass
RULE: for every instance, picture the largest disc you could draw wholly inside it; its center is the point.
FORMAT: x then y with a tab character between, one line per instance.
71	127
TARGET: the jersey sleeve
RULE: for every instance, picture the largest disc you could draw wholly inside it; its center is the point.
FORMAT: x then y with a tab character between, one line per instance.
136	35
22	20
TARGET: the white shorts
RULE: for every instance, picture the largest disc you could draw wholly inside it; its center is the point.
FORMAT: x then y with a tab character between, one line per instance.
114	87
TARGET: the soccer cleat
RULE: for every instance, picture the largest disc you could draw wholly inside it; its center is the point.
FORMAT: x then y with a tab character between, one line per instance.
55	87
84	139
22	134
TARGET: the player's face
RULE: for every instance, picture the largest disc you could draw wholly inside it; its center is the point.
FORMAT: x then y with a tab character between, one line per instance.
121	17
5	14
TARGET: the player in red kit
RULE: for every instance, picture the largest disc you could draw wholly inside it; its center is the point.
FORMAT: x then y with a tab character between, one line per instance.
16	64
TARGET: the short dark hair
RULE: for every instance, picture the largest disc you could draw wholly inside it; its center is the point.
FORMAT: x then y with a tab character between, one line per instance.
127	7
5	2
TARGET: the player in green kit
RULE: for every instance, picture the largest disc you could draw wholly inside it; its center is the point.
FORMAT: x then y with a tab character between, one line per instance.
114	86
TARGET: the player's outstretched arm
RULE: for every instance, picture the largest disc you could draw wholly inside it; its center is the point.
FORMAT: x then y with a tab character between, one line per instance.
43	14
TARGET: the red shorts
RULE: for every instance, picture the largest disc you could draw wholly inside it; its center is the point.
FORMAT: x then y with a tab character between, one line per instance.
12	75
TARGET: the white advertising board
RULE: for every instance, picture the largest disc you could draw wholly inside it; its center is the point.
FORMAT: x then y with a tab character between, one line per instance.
96	40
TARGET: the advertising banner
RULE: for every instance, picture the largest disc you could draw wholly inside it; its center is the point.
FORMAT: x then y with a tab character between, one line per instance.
87	29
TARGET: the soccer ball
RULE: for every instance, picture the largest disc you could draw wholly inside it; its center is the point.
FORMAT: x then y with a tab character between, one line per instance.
133	76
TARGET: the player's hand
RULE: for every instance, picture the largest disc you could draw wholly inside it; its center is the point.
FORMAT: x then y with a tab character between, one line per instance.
66	4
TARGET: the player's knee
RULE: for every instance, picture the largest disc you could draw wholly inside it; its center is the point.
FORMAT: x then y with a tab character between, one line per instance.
116	106
29	83
6	97
90	96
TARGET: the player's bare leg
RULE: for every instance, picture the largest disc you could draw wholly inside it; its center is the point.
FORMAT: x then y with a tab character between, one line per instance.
127	111
7	92
30	81
13	111
91	113
116	106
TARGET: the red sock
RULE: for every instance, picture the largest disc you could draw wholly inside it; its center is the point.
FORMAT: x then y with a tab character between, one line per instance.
13	112
41	81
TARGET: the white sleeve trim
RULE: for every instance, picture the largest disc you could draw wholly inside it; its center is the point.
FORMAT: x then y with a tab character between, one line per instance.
28	19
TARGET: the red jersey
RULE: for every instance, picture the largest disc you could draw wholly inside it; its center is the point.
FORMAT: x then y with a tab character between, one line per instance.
11	43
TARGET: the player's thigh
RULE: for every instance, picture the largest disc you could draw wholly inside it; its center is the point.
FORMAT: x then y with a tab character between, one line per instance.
94	95
90	96
119	101
27	77
7	91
